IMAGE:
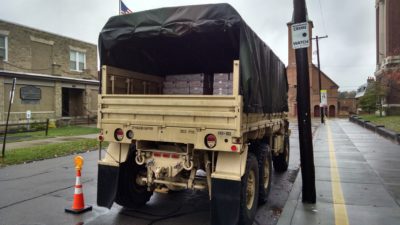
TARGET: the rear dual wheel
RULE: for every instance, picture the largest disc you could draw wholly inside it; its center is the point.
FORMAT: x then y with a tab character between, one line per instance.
249	191
129	193
262	151
281	161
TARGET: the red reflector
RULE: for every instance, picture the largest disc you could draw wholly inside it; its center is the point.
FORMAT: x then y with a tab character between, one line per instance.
234	148
211	137
175	156
211	141
119	134
101	137
157	154
166	155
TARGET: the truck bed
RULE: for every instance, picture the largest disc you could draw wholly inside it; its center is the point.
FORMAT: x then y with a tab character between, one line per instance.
157	117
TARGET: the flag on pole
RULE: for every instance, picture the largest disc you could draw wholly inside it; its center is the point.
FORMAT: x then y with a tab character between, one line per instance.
123	9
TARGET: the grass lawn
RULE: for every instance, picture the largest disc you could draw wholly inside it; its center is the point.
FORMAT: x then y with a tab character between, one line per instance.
390	122
53	132
35	153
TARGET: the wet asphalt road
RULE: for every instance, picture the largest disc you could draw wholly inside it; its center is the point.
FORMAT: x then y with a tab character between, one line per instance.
37	193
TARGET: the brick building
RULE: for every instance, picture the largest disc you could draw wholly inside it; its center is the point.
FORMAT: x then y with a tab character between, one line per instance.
56	75
326	83
388	52
347	106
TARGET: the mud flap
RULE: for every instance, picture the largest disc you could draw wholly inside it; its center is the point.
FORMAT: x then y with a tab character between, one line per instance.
225	201
107	185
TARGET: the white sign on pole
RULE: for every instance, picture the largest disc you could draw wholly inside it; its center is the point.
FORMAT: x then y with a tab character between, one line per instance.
28	114
324	98
300	36
28	118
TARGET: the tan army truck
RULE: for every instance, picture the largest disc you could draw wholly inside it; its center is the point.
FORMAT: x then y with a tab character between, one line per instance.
190	98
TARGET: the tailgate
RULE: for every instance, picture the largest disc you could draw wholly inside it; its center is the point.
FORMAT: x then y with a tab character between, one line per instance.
171	118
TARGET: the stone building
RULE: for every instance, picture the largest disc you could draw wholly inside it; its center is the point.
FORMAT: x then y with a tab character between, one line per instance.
326	83
347	106
388	52
56	75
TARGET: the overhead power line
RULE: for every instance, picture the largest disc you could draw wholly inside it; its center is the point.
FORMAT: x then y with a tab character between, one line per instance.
322	16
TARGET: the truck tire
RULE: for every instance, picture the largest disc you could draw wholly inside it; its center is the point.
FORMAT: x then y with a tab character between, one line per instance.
263	153
129	193
249	191
281	161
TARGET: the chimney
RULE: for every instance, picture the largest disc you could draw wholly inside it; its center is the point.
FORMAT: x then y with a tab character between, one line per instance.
370	80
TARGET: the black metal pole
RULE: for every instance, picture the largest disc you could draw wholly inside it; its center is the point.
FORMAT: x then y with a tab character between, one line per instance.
319	83
304	118
3	152
47	127
322	114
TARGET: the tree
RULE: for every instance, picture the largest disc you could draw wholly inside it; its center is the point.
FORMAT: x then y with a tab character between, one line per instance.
347	94
368	102
372	99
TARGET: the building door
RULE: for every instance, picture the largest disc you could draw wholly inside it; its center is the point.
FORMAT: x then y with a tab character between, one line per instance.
72	102
332	111
317	111
65	102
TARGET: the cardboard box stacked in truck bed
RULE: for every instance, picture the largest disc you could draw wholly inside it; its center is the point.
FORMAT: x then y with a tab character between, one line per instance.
198	84
222	84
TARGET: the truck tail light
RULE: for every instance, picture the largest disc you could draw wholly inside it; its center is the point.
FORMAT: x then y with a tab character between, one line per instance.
236	140
210	141
101	137
119	134
129	134
157	154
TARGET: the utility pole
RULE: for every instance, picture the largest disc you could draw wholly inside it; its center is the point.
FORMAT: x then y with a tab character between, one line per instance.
321	107
304	117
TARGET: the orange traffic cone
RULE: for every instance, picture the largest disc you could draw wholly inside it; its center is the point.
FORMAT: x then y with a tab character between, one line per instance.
78	205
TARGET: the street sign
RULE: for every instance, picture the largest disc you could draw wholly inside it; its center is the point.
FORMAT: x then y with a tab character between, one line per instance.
300	36
324	98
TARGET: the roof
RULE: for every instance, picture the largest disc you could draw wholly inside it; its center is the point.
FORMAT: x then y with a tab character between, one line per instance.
326	76
361	90
36	29
47	77
197	39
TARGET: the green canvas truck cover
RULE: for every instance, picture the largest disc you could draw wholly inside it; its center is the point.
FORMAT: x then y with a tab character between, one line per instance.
197	39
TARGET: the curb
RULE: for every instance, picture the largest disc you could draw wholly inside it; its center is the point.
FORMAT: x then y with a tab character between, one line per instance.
289	209
379	129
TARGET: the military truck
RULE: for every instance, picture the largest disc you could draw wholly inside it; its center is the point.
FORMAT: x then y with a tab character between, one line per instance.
191	98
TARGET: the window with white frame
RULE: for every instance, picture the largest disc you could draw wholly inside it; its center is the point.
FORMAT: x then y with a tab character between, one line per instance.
77	60
3	47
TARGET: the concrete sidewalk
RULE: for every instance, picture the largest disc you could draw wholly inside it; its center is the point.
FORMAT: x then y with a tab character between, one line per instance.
357	179
25	144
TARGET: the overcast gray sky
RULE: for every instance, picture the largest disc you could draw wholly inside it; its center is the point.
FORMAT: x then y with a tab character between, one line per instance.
347	56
